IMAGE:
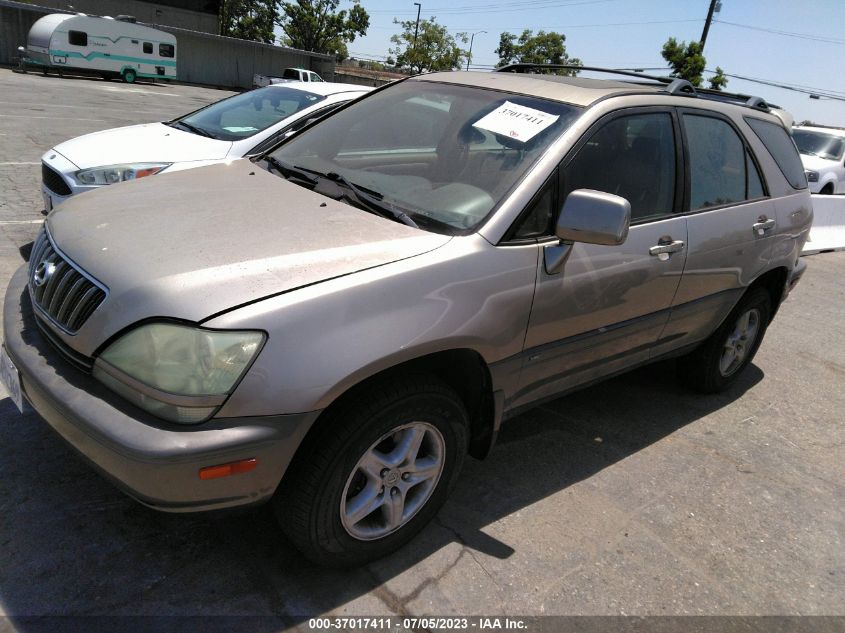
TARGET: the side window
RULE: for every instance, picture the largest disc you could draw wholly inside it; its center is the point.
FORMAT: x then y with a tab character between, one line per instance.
148	48
755	182
166	50
630	156
783	150
77	38
721	168
717	162
537	222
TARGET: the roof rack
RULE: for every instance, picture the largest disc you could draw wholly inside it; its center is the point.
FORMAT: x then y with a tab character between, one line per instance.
674	85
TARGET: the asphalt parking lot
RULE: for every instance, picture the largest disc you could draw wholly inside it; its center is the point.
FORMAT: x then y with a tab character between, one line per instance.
632	497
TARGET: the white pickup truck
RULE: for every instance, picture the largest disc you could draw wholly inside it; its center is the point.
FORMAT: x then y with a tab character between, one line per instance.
289	74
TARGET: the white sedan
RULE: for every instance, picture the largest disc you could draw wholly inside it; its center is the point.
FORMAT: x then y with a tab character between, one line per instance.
243	125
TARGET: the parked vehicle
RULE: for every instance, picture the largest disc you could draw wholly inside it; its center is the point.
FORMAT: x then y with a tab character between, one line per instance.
823	155
102	46
290	74
335	326
243	125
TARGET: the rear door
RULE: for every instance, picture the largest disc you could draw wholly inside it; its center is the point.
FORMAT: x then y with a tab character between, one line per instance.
607	306
731	222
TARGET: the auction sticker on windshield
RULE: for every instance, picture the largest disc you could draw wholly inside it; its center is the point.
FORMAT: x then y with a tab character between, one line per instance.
11	378
516	121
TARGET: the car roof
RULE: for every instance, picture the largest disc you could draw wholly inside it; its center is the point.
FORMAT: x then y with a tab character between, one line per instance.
581	91
323	88
585	91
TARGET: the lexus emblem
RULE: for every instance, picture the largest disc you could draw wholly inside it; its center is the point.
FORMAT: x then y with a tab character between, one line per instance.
42	273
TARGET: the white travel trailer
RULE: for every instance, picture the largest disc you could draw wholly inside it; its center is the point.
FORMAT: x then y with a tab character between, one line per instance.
109	47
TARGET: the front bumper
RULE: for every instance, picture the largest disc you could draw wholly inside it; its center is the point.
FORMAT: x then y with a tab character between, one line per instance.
154	461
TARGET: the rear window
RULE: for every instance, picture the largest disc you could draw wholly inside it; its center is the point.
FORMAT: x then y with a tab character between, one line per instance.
77	38
290	73
783	150
166	50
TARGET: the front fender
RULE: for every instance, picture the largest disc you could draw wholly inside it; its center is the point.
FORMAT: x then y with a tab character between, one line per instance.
328	337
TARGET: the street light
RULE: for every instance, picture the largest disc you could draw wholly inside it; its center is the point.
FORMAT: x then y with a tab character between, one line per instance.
469	54
417	29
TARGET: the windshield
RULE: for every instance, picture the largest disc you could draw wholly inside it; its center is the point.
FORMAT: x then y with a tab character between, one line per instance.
819	144
444	155
248	113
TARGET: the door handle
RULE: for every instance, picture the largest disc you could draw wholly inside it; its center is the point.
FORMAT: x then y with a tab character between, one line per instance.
665	248
762	225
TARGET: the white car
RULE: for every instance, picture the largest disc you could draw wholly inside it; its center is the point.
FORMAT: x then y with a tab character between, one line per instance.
243	125
823	154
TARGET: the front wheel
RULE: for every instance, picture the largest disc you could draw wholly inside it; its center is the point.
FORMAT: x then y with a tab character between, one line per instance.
717	363
129	76
375	472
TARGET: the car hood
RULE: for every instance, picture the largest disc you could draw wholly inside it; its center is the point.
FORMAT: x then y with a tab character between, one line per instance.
146	143
816	163
193	244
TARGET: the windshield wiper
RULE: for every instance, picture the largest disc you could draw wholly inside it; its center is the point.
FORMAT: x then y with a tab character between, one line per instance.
369	200
287	170
192	128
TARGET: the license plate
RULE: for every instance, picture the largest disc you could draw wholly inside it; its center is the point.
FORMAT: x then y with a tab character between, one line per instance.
11	378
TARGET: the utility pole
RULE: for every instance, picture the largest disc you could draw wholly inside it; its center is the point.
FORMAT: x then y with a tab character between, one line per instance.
707	23
417	30
469	54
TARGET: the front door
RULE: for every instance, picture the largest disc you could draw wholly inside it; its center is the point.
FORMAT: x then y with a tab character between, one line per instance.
608	304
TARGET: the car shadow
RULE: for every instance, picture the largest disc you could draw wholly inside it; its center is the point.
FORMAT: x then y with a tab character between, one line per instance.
75	546
71	75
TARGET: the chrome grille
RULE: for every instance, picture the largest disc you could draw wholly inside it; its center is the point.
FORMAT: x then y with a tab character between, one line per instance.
65	294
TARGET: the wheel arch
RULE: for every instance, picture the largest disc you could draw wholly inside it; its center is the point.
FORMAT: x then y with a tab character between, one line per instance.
462	369
774	282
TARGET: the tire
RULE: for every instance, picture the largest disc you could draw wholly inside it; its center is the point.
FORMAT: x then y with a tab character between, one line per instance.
827	190
718	362
129	76
341	464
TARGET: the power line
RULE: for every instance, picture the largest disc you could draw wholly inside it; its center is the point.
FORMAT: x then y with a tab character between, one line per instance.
804	36
822	92
492	8
563	28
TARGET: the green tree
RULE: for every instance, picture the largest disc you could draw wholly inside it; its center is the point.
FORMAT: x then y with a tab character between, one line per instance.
249	19
543	48
688	62
436	48
317	25
718	81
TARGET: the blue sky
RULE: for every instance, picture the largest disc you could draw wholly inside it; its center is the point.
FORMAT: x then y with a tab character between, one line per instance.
809	51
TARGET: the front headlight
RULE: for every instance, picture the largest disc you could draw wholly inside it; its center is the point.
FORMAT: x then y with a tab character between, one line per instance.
812	176
177	372
111	174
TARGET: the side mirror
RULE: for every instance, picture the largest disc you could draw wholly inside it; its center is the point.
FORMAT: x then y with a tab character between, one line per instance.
594	217
591	217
